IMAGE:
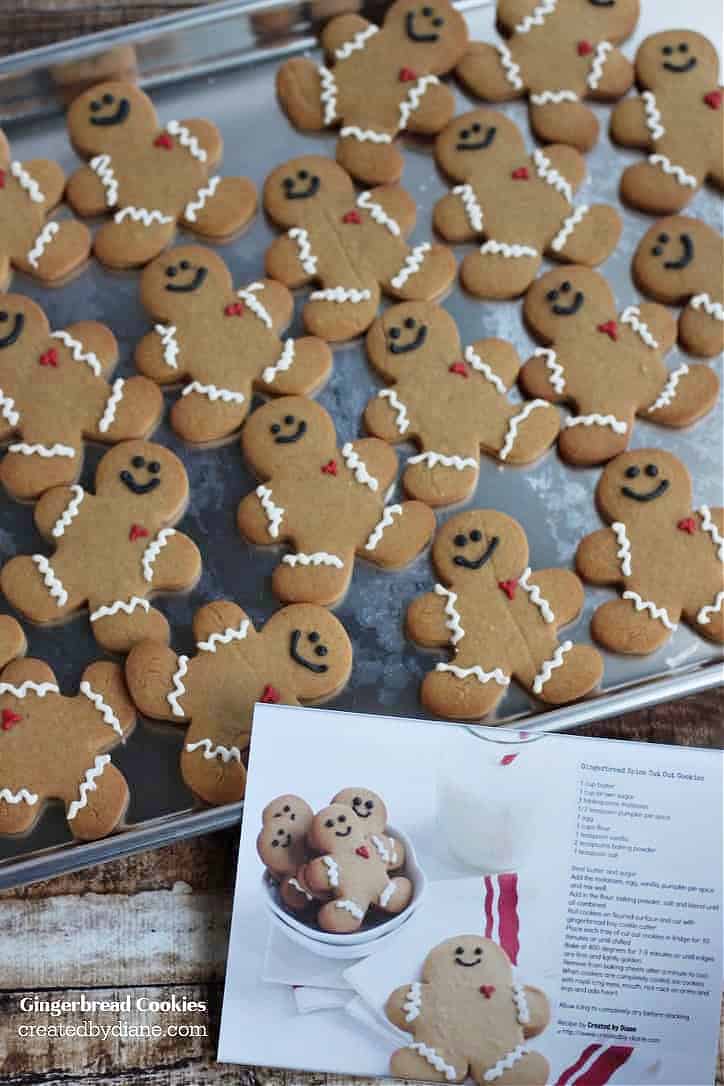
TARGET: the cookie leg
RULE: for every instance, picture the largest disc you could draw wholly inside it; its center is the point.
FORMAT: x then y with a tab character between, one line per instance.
426	272
27	476
371	161
39	588
58	250
570	672
441	478
341	312
209	416
312	578
130	243
707	618
571	123
213	779
700	333
500	269
587	236
618	626
428	1063
531	1069
99	802
689	393
489	72
400	535
595	437
464	698
221	207
299	87
335	917
651	188
18	817
119	624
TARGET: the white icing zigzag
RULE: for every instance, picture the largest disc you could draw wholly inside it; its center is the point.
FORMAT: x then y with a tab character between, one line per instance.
29	687
167	332
599	59
647	605
88	784
412	101
473	210
50	580
46	451
550	665
569	225
537	16
248	294
101	165
501	248
341	294
453	623
364	134
41	243
482	367
358	467
632	317
378	213
510	68
624	547
617	425
551	176
332	870
27	182
120	605
109	413
704	615
505	1064
387	893
109	717
668	392
306	257
710	307
553	97
678	172
296	884
521	1004
388	515
153	550
230	634
186	139
199	201
319	558
382	849
555	369
496	675
23	796
143	215
709	526
432	459
515	422
328	94
76	349
69	513
178	687
413	1002
358	42
350	907
413	263
7	409
536	596
273	512
402	420
212	750
285	362
435	1060
213	392
653	116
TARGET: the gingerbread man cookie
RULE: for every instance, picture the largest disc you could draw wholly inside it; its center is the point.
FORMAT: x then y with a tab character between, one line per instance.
667	557
113	549
609	368
469	1016
54	392
501	620
150	179
282	847
328	502
679	261
451	402
351	245
47	249
55	747
557	52
678	118
352	870
416	44
12	640
522	204
302	655
223	344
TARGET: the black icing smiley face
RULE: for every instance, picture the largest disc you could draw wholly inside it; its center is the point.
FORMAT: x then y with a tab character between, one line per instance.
476	137
184	277
11	328
679	252
340	825
363	808
563	301
677	57
309	652
634	490
281	839
143	476
285	812
468	958
107	111
423	24
288	431
301	185
470	551
408	337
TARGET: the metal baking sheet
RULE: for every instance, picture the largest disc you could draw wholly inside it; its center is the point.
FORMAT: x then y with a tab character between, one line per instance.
217	66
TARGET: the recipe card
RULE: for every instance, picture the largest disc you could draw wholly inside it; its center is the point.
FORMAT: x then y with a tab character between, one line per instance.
469	904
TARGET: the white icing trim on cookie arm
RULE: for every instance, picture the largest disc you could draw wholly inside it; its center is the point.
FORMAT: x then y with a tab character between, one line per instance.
41	243
708	525
213	750
106	711
501	248
69	513
677	172
358	467
328	94
152	551
332	870
632	317
167	332
549	666
249	297
521	1004
569	225
274	512
29	687
551	176
23	796
386	521
473	210
283	363
128	607
652	116
78	353
319	558
51	581
412	100
556	379
656	612
482	367
357	42
206	192
146	216
598	63
44	451
710	307
402	420
27	182
668	392
413	263
387	893
514	423
453	623
624	547
341	294
536	596
553	97
433	1057
306	257
351	907
109	412
617	425
378	213
179	689
413	1002
88	784
213	393
7	409
364	135
483	676
230	634
296	885
511	70
186	139
101	165
432	459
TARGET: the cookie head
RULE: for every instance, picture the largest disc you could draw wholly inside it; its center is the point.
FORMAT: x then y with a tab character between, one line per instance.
281	843
288	432
184	279
366	805
111	117
644	482
559	301
289	809
304	185
612	19
677	59
665	260
410	336
336	829
432	35
479	140
145	475
21	320
468	961
315	647
479	546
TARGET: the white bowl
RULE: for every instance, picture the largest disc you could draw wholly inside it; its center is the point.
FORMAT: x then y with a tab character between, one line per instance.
371	937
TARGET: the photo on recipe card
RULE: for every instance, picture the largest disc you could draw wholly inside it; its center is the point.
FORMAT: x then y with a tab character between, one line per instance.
462	904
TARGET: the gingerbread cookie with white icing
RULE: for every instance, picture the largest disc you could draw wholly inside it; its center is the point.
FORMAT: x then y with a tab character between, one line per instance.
328	502
678	118
610	368
55	393
557	52
282	847
351	245
521	204
56	747
302	656
667	557
679	261
452	402
416	44
500	619
469	1016
47	249
12	640
113	549
223	344
149	179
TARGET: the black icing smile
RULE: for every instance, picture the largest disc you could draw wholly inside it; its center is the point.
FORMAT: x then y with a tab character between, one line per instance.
288	439
295	654
691	63
293	193
15	333
569	310
479	145
186	288
415	35
687	254
650	495
468	965
357	808
478	563
288	841
131	483
413	344
106	121
345	833
602	3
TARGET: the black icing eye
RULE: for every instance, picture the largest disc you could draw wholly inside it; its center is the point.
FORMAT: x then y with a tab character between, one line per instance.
171	271
438	21
427	12
292	817
3	316
288	183
289	420
286	808
314	637
280	833
667	50
410	322
302	174
460	540
552	295
357	801
652	471
275	844
108	99
95	106
395	333
154	467
184	265
321	650
476	127
663	238
476	536
565	286
683	47
479	951
329	823
464	133
657	250
275	428
632	472
459	950
341	818
369	804
138	462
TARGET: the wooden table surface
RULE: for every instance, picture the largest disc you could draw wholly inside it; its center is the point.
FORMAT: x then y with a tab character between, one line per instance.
157	924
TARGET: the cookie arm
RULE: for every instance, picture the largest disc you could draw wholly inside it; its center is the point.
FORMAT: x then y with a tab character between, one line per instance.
386	417
596	558
436	108
379	459
12	640
395	1007
339	31
426	622
563	591
316	875
628	124
208	138
85	193
50	179
569	162
500	356
218	618
177	564
539	1011
262	518
491	74
311	365
535	377
616	78
111	710
51	507
659	321
96	339
277	301
283	263
160	356
398	204
150	670
454	215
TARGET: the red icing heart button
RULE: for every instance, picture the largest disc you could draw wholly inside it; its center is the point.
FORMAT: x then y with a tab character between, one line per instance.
352	216
509	587
164	140
584	48
271	695
460	369
508	759
407	75
487	990
714	99
363	851
330	468
137	532
688	524
10	719
610	329
234	309
49	358
521	174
